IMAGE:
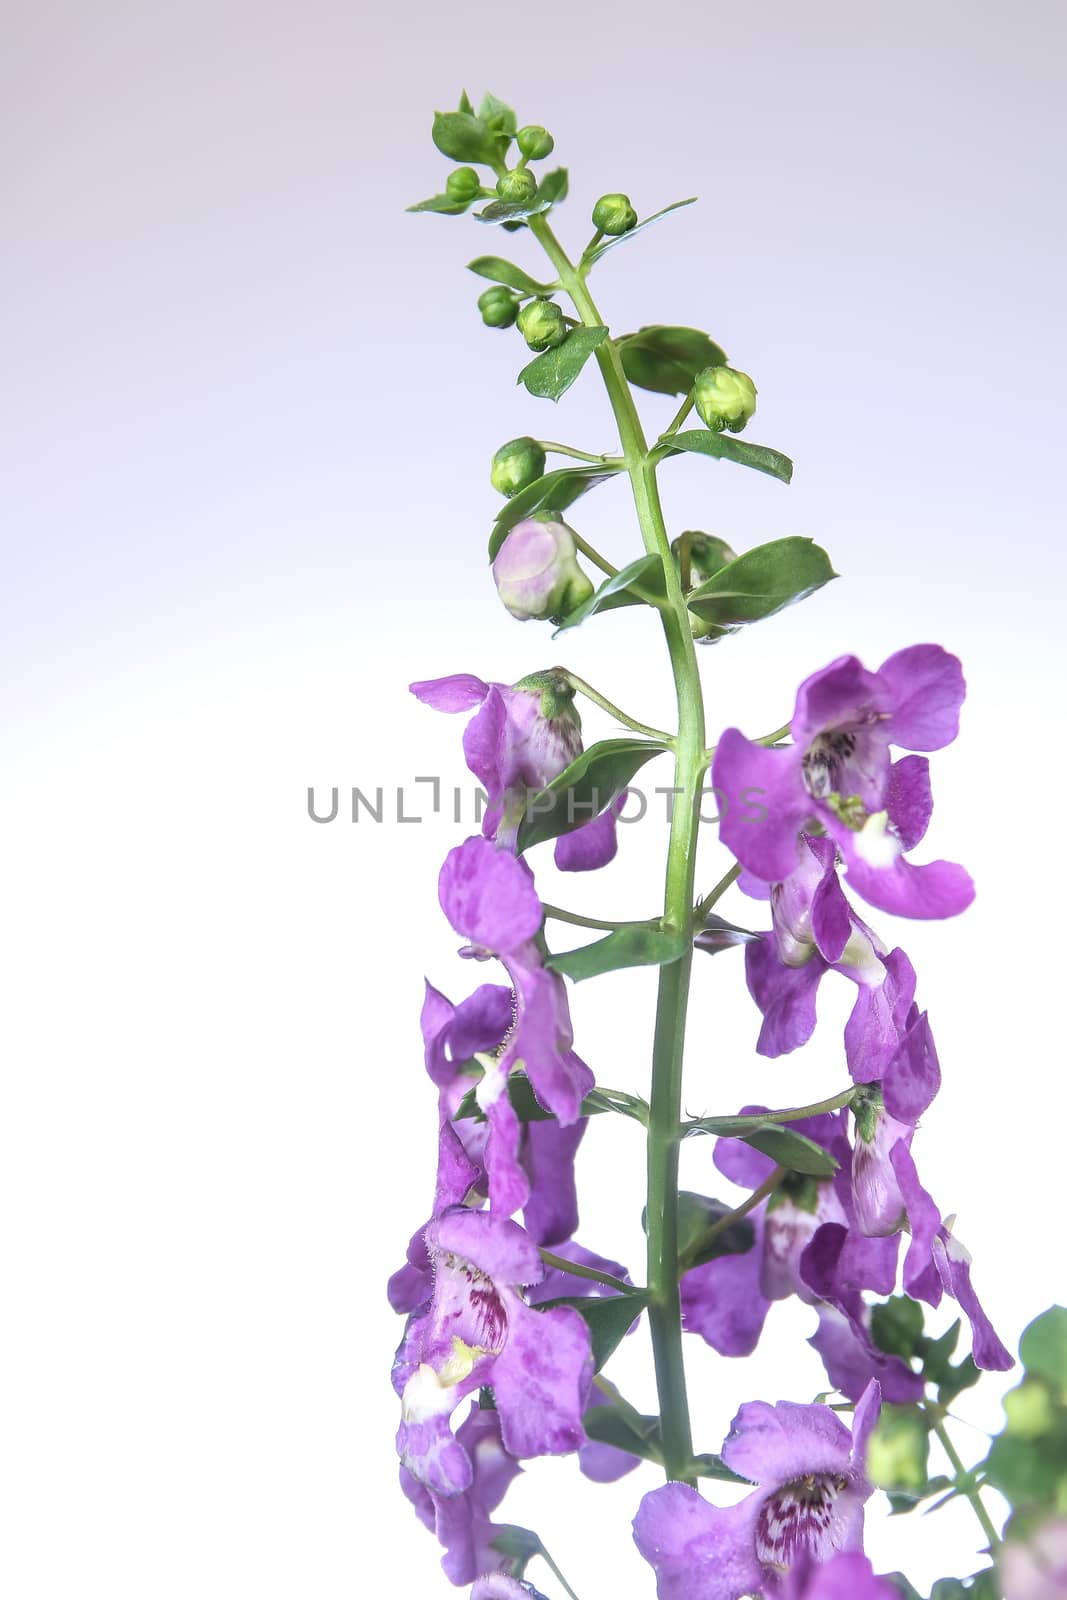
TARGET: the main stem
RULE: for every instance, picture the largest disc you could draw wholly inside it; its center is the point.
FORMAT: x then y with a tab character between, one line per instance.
664	1307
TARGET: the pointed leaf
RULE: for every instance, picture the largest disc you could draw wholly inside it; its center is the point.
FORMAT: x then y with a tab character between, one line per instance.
463	137
642	582
592	782
1043	1347
551	374
549	192
497	270
718	934
626	947
491	108
554	491
697	1215
726	447
443	203
667	359
793	1150
761	582
609	244
711	1466
637	1434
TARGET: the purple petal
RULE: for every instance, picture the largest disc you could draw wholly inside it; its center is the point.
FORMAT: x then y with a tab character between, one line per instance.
831	915
435	1020
785	995
913	1076
848	1575
458	693
499	1249
591	846
864	1421
887	880
551	1212
462	1522
852	1360
484	743
480	1022
762	804
489	897
722	1300
556	1282
772	1445
841	694
927	689
542	1038
924	1219
908	799
509	1187
429	1452
500	1586
605	1463
541	1381
954	1267
698	1551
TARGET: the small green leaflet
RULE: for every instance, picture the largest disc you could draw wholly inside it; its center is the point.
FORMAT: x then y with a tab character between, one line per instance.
626	947
609	244
551	374
492	109
698	1214
554	491
761	582
667	359
463	137
549	192
497	270
1043	1347
638	1434
641	583
784	1145
588	786
443	203
726	447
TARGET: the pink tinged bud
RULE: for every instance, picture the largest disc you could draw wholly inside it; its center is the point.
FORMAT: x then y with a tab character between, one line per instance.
880	1208
537	573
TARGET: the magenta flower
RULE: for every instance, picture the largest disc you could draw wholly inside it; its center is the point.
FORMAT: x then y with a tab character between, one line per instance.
838	773
489	898
515	748
462	1522
808	1505
478	1329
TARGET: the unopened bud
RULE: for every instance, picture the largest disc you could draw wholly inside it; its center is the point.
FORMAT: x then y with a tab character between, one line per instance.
541	324
499	306
516	464
535	142
537	573
613	214
462	184
516	186
724	398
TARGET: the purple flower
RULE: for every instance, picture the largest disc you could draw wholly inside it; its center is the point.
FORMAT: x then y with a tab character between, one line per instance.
852	1359
536	571
838	773
938	1263
462	1522
812	1486
478	1329
516	743
846	1576
490	900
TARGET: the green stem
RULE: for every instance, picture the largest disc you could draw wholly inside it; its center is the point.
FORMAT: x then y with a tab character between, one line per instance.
620	716
713	896
767	1187
665	1100
577	1271
594	555
557	1574
676	421
559	915
550	447
962	1475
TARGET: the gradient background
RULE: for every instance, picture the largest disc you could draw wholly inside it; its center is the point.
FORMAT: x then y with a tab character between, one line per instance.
247	431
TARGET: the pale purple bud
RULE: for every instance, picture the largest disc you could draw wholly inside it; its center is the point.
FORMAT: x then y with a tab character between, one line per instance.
537	573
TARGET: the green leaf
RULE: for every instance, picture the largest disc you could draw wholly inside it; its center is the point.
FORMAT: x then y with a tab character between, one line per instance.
726	1127
1043	1347
519	1545
793	1150
463	137
936	1353
554	491
592	782
897	1326
554	186
443	203
528	1108
497	270
697	1215
608	1318
1024	1470
547	194
626	947
906	1589
609	244
636	1433
624	589
667	359
551	374
761	582
711	1466
962	1376
726	447
491	108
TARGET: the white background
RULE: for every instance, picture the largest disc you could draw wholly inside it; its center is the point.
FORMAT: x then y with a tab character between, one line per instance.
249	428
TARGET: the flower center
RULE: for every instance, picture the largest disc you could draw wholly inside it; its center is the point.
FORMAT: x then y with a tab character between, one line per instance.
480	1311
799	1517
824	759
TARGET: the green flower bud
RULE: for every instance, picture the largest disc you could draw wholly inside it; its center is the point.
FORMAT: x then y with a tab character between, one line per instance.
516	464
614	214
535	142
462	184
518	186
499	306
541	324
700	555
898	1449
724	398
537	573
